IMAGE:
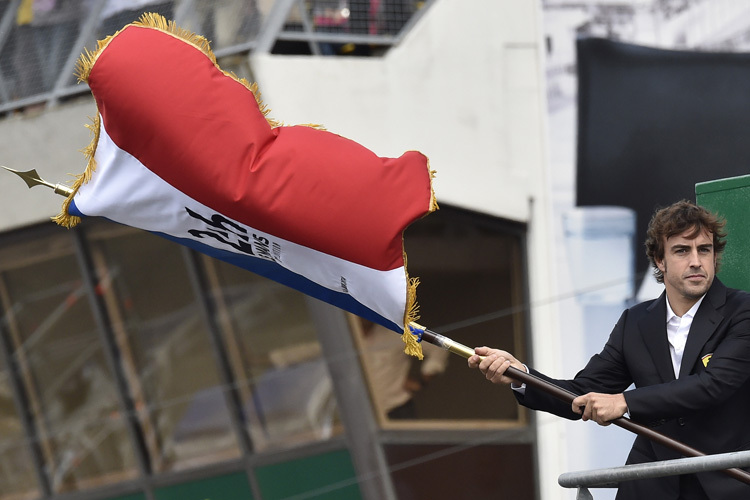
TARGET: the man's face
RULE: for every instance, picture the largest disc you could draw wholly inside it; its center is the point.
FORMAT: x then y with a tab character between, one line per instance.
689	266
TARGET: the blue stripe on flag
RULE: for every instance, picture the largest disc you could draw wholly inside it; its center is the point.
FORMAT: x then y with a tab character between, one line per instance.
278	273
73	209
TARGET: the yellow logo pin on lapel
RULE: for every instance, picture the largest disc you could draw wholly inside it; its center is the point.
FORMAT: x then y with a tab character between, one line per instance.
706	359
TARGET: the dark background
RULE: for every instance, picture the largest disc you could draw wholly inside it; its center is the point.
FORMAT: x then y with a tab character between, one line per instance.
652	123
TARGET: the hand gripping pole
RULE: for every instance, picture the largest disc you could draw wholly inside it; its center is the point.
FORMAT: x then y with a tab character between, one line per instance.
568	397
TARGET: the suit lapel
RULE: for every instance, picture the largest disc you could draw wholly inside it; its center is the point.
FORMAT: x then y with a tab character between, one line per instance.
653	329
704	324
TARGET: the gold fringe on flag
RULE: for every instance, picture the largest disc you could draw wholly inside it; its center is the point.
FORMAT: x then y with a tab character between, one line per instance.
433	199
64	218
412	347
85	65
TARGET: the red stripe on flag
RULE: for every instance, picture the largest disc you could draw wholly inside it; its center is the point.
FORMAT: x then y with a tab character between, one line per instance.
166	103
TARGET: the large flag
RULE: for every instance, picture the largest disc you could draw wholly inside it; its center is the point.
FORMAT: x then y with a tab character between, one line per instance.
184	150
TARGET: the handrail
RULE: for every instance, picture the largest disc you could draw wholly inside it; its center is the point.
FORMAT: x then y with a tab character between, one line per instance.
610	477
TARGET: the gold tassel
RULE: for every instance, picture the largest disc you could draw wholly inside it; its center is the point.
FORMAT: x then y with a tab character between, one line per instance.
412	347
64	218
433	199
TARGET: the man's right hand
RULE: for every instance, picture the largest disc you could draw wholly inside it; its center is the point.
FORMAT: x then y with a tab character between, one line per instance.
493	363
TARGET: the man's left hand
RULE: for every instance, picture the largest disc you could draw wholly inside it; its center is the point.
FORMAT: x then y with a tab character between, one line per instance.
601	408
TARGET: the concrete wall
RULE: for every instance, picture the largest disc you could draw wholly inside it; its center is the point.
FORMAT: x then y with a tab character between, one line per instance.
50	143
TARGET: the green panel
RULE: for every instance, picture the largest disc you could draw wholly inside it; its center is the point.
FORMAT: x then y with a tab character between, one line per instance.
229	487
330	476
136	496
730	198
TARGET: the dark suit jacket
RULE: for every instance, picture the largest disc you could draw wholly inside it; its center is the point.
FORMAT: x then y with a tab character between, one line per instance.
707	407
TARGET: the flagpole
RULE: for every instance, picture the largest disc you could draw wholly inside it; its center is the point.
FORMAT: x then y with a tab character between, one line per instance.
32	178
568	397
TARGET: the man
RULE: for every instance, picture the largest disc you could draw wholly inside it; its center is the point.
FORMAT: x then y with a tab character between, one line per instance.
687	352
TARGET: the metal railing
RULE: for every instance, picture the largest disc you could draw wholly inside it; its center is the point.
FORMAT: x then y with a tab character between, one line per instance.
38	56
610	477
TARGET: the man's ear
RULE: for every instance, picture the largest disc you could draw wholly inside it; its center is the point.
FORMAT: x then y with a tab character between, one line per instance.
660	264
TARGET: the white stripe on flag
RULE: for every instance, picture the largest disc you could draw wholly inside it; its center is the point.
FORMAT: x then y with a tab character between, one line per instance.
123	190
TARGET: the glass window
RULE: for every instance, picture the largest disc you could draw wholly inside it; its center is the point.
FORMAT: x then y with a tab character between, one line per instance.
281	375
70	391
471	291
165	347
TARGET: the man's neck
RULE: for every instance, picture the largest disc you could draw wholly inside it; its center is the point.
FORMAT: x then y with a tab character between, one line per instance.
681	304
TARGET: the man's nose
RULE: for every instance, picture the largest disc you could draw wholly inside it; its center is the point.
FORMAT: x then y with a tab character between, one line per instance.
695	260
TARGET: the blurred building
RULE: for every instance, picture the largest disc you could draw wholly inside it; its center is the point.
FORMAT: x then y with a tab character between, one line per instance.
134	369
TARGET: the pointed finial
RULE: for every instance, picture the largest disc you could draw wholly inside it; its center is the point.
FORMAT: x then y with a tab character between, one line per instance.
32	178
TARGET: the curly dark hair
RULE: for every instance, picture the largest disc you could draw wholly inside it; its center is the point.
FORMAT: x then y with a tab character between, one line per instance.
676	219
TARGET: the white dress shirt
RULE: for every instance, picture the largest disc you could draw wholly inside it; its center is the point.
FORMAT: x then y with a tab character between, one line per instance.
677	333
